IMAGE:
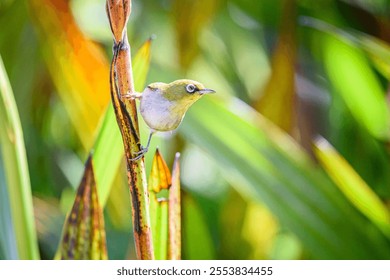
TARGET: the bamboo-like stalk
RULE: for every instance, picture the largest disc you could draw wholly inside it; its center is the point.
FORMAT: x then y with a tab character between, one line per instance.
174	209
121	82
18	179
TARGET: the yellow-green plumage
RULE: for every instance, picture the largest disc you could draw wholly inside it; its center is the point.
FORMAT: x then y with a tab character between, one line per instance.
163	106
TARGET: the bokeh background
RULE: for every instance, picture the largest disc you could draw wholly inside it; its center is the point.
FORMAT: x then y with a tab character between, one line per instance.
289	160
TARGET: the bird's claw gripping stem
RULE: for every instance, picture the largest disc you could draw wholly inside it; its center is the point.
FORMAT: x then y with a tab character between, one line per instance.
143	150
140	154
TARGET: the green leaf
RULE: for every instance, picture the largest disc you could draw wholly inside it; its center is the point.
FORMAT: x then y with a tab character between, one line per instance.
108	154
197	238
355	81
352	185
16	172
81	80
352	76
377	49
379	52
141	64
265	164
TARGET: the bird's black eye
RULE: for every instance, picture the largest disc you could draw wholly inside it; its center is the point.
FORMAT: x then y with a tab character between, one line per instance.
190	88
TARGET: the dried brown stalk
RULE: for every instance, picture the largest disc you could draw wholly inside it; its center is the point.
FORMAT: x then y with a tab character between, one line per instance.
121	82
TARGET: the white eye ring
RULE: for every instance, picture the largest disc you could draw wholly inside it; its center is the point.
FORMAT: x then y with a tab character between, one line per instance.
190	88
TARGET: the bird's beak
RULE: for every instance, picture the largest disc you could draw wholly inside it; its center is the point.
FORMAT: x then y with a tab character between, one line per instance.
205	90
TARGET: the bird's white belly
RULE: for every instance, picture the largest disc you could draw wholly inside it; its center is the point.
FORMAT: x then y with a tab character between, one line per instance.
156	111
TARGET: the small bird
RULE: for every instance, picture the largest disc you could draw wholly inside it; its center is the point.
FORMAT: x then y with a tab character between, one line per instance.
163	106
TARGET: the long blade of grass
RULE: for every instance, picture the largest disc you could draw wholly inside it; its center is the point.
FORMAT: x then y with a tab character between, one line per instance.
16	170
265	164
84	236
352	185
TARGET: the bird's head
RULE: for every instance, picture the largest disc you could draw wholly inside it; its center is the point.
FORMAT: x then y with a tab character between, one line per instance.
181	92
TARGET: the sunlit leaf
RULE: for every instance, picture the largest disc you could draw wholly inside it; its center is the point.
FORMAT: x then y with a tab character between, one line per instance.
265	164
78	67
379	51
141	64
259	219
13	156
84	235
352	77
352	185
242	220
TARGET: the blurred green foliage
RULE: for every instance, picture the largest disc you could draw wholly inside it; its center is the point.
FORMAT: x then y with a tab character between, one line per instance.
250	189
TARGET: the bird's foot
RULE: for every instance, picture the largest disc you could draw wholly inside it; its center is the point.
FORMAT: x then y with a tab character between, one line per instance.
140	154
132	96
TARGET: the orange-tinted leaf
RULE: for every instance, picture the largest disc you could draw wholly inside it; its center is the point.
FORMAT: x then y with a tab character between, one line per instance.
160	176
83	234
78	66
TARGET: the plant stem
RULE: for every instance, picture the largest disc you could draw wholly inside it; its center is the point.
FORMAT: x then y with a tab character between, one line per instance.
121	82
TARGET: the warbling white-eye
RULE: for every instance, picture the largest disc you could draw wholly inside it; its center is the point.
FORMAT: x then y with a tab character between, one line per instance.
163	106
